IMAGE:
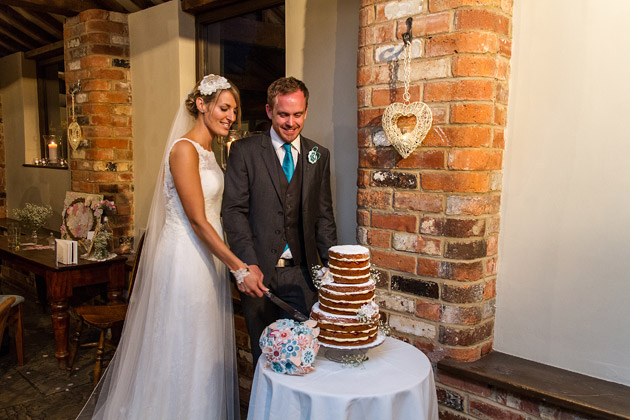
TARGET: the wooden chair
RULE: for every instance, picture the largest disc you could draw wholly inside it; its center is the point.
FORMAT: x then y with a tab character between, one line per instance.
103	317
11	315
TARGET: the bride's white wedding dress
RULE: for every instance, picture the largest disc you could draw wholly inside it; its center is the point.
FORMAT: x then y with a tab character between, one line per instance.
179	361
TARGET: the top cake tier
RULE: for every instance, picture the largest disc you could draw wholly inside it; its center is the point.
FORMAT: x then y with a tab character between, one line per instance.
349	252
349	264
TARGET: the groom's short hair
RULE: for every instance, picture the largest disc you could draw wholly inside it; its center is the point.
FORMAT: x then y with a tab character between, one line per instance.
284	86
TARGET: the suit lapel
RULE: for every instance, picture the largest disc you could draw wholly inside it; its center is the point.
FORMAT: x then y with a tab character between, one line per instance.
307	169
270	158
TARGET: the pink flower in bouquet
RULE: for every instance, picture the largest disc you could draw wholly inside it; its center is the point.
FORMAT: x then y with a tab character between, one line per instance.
102	207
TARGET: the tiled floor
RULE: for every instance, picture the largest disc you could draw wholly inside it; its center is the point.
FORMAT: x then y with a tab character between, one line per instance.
39	390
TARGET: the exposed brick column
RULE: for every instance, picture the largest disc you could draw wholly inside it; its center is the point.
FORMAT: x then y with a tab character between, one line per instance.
432	219
96	50
3	178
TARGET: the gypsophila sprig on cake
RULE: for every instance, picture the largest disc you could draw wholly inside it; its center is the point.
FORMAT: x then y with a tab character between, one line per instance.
321	276
367	312
375	275
384	328
211	83
33	216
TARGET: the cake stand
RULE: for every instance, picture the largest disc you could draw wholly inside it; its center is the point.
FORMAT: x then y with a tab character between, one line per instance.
340	354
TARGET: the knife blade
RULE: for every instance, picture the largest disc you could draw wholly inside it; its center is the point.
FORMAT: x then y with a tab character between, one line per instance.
286	307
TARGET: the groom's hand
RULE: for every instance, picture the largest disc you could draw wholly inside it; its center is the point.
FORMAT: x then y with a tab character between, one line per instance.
253	284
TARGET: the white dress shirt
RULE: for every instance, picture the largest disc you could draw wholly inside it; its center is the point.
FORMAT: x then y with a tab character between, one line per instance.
295	151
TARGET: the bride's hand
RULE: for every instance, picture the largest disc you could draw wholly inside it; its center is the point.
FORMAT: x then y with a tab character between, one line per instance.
252	285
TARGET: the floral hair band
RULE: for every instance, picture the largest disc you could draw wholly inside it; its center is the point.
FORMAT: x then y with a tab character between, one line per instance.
211	83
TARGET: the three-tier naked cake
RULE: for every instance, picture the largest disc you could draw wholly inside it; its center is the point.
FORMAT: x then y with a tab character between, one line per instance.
346	313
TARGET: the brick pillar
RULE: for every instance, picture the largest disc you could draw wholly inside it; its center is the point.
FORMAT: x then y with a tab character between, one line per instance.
3	179
432	220
96	52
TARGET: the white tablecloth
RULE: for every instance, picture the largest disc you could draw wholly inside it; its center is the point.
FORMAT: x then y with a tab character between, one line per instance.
395	383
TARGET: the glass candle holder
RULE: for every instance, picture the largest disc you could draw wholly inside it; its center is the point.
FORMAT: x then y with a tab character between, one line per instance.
52	149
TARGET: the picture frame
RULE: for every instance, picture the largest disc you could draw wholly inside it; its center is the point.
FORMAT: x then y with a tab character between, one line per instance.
78	215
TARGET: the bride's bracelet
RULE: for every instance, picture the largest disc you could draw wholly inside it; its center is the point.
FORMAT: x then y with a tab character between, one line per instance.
240	274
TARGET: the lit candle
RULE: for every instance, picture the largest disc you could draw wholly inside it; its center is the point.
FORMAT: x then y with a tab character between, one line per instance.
52	152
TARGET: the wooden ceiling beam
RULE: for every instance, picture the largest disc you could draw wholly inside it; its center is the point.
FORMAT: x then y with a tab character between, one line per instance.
15	19
191	6
4	51
19	37
61	7
207	11
143	4
111	5
47	22
51	50
10	43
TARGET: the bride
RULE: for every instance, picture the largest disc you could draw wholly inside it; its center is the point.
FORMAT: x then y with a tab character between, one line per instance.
176	357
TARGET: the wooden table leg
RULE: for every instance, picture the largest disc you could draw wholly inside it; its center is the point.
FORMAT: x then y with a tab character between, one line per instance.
58	290
60	325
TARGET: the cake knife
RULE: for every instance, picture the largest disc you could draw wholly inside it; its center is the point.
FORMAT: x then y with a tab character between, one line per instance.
286	307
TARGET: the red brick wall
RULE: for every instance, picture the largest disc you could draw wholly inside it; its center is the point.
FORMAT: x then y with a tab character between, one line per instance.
462	399
3	182
96	49
432	219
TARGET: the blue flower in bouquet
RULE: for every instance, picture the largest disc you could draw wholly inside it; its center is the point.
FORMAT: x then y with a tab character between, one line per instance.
277	367
291	348
301	329
308	356
265	341
284	323
290	367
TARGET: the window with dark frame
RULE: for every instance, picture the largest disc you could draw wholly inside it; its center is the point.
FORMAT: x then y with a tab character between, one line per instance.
51	92
246	45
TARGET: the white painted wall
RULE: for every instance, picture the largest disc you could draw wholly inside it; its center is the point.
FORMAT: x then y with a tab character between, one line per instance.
162	72
18	89
564	282
322	44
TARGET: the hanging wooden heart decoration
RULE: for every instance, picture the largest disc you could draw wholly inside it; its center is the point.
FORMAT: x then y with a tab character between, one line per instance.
406	143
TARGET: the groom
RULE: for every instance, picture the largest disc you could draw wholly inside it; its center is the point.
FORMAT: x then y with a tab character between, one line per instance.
277	209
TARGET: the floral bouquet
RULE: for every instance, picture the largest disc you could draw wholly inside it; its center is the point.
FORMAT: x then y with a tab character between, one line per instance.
289	346
33	216
103	207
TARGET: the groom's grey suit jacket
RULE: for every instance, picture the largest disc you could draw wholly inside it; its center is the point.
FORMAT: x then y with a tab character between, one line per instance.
253	207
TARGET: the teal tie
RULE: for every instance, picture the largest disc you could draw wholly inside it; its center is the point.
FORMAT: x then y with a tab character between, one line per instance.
288	168
287	163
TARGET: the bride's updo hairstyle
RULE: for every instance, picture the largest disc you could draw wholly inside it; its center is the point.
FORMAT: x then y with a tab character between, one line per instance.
209	88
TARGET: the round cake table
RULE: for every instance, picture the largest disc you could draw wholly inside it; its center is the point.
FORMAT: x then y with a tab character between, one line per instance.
395	383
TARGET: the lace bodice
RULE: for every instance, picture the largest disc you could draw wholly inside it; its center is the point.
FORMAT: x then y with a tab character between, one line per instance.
211	184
